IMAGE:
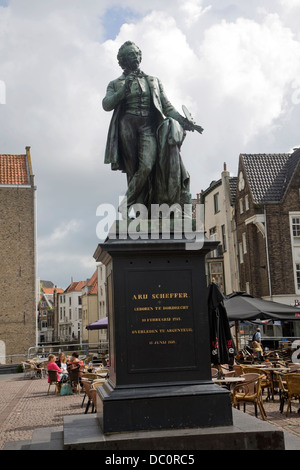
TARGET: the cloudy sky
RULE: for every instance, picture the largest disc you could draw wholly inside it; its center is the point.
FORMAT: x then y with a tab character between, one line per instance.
235	64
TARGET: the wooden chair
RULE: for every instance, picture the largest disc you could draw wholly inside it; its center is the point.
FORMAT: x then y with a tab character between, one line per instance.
52	374
266	382
283	391
91	395
28	370
89	375
293	389
249	392
294	367
97	383
74	380
238	370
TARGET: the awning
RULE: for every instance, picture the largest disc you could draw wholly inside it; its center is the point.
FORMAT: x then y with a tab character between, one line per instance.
98	325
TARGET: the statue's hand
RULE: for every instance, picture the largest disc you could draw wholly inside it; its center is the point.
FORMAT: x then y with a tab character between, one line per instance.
190	126
128	81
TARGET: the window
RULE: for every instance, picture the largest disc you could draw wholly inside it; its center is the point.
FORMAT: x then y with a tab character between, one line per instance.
241	253
246	203
296	226
241	206
216	202
224	238
212	233
244	243
298	275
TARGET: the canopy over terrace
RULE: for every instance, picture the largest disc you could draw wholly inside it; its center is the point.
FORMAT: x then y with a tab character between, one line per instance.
241	306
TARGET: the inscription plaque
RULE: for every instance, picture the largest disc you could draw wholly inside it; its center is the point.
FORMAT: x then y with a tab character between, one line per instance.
160	324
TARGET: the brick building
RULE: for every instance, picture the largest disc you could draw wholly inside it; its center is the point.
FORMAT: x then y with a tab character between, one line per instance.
18	301
268	225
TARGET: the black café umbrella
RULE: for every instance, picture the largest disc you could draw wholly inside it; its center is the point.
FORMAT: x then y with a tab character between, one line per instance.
222	346
241	306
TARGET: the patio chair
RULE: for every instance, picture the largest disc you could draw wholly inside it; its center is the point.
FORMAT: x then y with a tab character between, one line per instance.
52	374
28	370
249	392
91	395
89	375
266	382
293	387
294	367
238	370
74	378
283	391
97	383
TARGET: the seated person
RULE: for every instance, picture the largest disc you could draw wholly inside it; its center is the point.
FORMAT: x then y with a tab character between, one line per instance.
258	351
75	363
53	366
62	364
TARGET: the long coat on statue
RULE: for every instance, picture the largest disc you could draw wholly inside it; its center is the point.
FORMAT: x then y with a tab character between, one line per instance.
163	186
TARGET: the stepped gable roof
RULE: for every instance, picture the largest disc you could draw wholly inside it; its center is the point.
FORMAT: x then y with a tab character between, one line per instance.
14	170
269	174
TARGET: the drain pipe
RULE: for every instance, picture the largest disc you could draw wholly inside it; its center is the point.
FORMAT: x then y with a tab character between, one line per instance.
267	254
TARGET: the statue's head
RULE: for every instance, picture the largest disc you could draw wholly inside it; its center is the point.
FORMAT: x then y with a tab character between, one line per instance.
129	56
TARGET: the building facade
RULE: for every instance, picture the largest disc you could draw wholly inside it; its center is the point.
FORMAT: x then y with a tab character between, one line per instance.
89	299
18	296
268	227
219	224
70	313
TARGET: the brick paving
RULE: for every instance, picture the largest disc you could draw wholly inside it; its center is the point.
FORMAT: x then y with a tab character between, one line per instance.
25	407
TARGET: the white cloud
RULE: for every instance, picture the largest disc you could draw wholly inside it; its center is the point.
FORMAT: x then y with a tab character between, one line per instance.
60	233
192	11
253	64
234	65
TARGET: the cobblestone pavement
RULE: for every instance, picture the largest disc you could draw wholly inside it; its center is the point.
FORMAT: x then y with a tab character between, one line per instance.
25	406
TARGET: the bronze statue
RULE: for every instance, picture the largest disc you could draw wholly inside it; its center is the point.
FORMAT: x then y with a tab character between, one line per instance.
145	136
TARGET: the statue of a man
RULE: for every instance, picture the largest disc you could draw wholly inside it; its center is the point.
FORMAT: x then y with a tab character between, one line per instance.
139	133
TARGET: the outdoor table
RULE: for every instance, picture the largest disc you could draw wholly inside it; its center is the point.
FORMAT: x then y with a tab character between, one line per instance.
228	381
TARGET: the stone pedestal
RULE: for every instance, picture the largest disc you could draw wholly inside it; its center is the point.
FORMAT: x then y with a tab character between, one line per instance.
160	374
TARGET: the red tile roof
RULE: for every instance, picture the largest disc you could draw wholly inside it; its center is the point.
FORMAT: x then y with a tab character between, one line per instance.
13	169
75	286
50	290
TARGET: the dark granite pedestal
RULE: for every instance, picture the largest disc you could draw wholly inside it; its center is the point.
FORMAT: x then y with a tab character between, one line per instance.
160	374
